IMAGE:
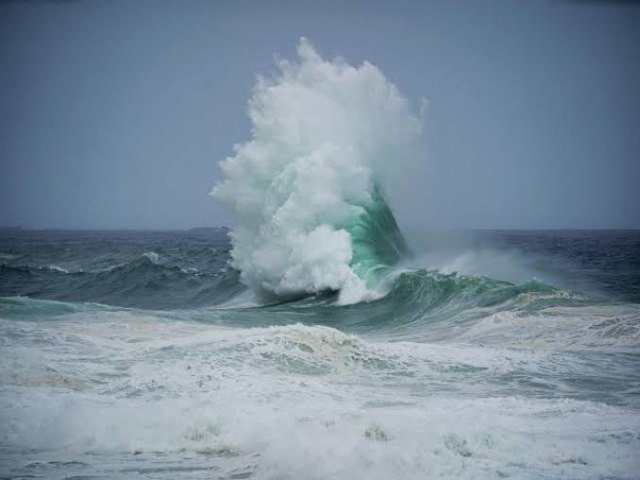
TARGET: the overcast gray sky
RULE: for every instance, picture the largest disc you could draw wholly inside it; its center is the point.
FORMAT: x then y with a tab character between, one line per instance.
114	114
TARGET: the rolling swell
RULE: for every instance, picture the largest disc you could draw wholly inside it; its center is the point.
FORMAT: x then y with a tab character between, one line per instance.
194	281
427	305
143	282
419	305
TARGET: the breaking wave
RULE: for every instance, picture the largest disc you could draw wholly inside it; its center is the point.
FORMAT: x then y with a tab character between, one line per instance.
310	187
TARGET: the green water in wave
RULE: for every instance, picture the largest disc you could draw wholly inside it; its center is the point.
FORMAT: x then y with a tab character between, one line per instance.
376	240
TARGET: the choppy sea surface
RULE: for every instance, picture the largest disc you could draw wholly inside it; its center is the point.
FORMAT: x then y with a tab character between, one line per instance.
495	354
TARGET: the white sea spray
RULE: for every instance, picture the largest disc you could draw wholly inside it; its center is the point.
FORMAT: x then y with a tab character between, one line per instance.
324	134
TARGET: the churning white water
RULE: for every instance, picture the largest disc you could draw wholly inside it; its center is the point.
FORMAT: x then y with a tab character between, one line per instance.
324	135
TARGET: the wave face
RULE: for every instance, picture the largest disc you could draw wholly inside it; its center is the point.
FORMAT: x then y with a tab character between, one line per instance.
308	188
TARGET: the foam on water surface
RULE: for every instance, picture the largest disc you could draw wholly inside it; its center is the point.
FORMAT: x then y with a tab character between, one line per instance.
305	402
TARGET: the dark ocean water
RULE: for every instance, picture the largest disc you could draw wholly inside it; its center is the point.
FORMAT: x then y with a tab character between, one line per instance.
180	269
493	354
146	269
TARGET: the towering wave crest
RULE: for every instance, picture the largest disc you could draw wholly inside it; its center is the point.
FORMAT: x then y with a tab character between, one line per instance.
309	187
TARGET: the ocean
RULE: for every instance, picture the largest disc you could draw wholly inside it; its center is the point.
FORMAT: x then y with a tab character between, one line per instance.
322	338
490	354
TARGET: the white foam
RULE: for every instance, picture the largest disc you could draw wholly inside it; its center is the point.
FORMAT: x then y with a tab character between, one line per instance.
293	402
576	327
323	133
153	257
55	268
